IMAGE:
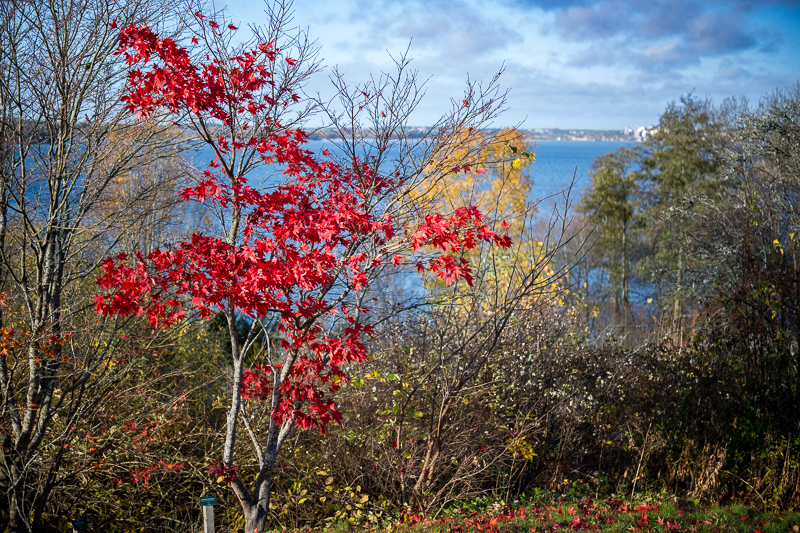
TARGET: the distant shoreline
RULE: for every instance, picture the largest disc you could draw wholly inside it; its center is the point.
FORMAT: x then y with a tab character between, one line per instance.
541	134
546	134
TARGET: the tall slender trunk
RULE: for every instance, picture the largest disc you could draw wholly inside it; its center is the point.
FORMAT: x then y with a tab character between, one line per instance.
676	310
625	304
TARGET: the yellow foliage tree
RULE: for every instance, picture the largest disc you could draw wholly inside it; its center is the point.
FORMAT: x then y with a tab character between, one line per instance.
496	176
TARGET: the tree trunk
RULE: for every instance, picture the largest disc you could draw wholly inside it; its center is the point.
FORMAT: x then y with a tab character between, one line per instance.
18	511
255	518
625	304
676	310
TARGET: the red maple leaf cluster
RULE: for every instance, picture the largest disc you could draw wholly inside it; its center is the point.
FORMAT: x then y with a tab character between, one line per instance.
301	245
229	474
216	87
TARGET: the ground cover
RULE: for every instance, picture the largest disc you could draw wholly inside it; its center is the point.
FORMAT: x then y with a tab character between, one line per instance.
587	514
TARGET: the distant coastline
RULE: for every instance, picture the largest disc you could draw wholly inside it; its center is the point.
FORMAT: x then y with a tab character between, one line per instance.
638	134
556	134
540	134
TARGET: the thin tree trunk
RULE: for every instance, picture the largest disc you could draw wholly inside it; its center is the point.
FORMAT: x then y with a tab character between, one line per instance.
676	311
625	305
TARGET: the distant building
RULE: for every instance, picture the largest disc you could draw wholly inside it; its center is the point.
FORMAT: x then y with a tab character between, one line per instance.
642	133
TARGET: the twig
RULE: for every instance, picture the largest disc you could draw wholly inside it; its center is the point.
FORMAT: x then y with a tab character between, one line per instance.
641	457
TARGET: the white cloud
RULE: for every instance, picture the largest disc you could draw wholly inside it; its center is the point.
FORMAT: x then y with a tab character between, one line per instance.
606	63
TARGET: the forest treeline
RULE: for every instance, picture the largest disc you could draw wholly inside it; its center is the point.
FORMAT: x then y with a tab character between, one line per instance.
642	337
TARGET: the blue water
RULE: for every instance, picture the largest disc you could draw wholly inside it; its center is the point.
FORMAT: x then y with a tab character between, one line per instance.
557	162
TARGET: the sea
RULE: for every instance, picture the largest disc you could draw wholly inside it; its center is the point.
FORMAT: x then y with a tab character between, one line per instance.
558	162
558	165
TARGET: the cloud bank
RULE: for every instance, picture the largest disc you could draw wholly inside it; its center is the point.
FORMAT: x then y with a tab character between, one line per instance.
570	63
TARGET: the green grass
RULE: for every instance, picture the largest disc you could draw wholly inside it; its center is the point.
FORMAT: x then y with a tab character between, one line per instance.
585	514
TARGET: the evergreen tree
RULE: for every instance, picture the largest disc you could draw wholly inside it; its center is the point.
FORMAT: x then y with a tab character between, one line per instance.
613	200
680	165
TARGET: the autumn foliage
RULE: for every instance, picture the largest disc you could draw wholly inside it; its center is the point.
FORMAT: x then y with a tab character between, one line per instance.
293	251
298	239
650	345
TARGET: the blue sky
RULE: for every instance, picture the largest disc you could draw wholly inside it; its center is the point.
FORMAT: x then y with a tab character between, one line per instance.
586	64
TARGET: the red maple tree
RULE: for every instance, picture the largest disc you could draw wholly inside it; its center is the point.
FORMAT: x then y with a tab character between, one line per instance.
294	251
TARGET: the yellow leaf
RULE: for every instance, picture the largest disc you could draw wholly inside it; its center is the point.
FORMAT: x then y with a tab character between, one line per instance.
499	188
220	479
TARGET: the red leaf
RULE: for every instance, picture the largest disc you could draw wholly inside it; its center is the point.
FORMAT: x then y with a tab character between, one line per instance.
297	236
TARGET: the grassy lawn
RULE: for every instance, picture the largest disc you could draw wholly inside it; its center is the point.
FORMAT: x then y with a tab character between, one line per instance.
593	515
